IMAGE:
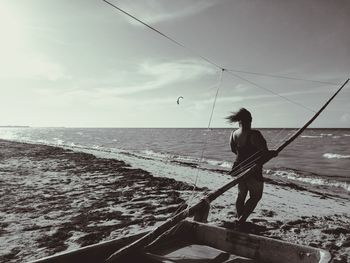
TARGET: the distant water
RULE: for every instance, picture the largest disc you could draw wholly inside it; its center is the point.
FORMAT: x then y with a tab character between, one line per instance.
318	157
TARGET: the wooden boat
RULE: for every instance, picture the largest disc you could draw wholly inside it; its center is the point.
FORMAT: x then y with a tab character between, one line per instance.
195	242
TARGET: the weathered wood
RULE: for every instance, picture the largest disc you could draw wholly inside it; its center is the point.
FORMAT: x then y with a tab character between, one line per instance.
295	135
90	254
237	244
192	253
258	248
202	215
155	233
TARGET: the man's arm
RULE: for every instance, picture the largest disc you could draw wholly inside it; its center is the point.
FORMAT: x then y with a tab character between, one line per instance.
232	144
260	143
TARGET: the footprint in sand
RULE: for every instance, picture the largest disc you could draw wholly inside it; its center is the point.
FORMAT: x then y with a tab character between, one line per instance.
268	213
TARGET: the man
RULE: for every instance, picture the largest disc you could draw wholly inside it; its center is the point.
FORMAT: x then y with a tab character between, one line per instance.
247	144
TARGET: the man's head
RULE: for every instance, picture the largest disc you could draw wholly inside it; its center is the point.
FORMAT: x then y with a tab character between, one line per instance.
242	116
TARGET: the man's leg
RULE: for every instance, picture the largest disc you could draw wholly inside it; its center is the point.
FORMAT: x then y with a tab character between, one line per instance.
255	189
242	194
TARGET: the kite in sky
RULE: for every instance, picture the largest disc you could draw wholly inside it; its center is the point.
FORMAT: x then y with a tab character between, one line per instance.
178	99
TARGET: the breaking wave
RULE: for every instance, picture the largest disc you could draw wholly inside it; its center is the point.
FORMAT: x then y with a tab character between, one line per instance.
186	160
335	156
311	136
292	175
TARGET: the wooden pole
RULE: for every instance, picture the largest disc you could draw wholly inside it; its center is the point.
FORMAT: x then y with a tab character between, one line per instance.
294	136
145	240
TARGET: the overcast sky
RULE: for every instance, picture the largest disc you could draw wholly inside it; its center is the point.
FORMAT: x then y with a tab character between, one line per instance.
81	63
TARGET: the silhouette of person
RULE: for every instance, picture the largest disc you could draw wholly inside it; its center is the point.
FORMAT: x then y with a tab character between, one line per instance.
247	144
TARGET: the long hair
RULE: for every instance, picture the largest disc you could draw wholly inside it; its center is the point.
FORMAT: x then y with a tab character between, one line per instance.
242	115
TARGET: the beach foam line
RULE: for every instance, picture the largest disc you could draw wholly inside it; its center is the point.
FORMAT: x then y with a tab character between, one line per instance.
311	136
206	164
292	175
147	154
326	134
184	160
335	156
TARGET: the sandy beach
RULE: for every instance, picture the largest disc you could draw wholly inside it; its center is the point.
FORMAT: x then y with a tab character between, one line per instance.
55	199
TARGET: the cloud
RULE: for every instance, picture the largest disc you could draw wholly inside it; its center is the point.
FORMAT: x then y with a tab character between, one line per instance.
243	96
241	88
125	89
345	118
153	11
43	68
17	59
25	66
152	75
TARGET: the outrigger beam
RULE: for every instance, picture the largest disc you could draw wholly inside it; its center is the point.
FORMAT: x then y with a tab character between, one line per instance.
147	239
294	136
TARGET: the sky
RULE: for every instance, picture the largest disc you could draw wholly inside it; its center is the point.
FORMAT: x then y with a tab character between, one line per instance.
82	63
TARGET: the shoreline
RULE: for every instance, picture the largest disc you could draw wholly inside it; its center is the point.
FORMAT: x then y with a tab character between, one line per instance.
54	199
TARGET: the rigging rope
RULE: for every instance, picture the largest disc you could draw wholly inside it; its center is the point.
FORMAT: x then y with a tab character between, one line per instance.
219	84
279	95
281	76
162	34
216	96
202	57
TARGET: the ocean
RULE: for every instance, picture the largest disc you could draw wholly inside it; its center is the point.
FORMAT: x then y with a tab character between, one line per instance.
319	159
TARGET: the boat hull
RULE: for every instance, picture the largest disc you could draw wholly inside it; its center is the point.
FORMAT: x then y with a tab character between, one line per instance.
251	247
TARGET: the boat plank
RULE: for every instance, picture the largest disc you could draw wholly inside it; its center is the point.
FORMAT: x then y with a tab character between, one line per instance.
191	240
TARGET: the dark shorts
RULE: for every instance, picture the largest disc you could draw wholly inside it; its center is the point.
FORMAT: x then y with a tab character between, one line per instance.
257	173
253	186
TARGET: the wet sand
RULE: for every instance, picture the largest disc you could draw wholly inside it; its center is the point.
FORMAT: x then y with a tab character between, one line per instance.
54	199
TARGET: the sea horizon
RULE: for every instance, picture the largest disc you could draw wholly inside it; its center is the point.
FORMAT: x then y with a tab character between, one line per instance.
137	127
